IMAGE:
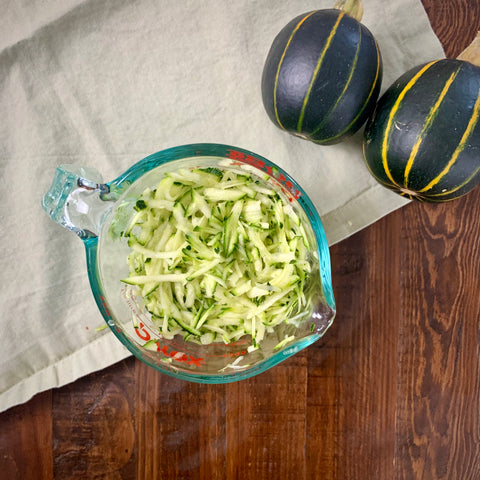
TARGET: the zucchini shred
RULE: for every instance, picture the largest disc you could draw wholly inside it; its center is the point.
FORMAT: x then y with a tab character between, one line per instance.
217	254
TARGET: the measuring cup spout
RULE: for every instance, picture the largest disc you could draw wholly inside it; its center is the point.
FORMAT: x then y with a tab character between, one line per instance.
76	200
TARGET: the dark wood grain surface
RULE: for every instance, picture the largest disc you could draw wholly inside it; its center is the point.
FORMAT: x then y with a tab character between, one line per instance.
391	392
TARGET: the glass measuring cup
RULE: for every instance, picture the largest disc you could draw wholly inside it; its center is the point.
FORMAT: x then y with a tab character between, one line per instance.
99	213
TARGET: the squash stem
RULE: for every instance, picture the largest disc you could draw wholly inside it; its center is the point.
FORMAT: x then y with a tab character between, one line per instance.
472	52
353	8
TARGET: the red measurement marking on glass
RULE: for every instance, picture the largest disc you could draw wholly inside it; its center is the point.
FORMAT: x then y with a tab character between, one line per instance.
288	189
236	354
130	304
180	356
142	332
238	342
105	306
188	359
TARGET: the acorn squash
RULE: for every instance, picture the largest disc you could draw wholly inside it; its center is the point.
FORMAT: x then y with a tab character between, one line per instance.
423	139
322	75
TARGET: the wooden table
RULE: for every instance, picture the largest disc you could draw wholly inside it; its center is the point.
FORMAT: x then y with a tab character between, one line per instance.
391	392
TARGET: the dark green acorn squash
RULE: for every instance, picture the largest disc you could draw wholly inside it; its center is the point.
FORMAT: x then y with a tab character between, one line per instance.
322	75
423	139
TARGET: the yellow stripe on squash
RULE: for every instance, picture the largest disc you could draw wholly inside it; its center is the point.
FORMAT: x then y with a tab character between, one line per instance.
317	69
347	83
458	187
378	179
466	135
391	117
280	65
374	84
428	122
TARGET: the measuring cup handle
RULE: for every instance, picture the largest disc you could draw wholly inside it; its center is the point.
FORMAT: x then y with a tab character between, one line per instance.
75	200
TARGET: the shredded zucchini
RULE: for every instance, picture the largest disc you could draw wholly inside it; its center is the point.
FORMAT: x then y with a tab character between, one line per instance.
216	255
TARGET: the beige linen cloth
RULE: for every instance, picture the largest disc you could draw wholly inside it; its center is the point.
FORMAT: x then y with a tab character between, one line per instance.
104	83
